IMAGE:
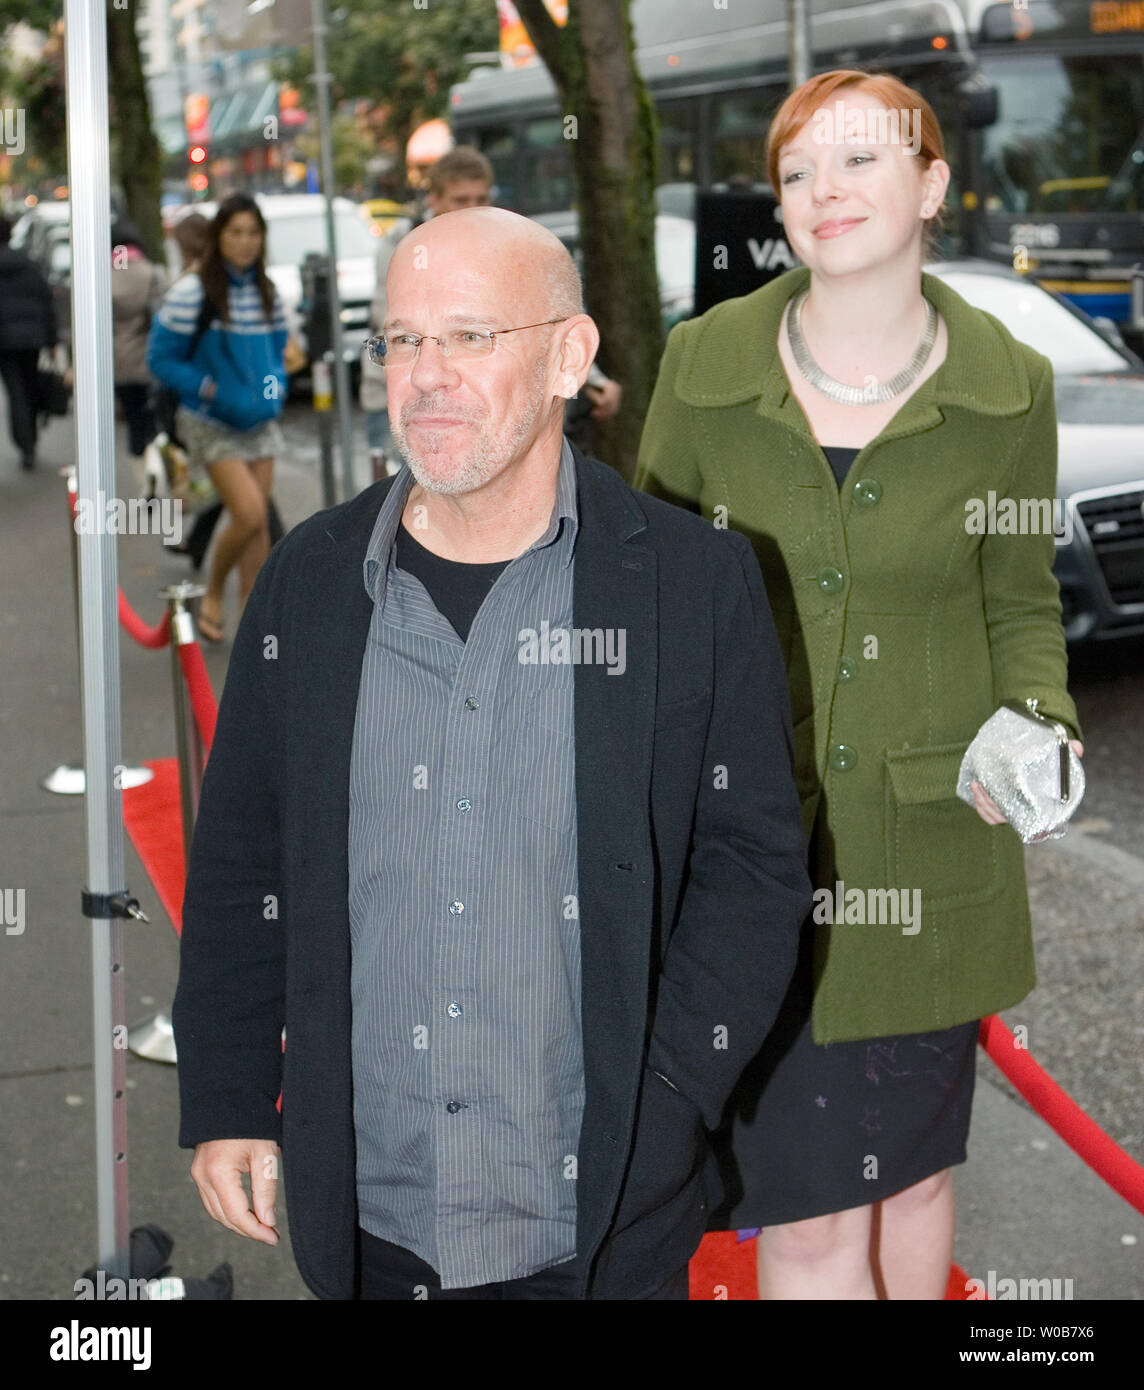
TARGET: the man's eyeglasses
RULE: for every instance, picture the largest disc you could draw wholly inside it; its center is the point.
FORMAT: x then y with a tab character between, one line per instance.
399	349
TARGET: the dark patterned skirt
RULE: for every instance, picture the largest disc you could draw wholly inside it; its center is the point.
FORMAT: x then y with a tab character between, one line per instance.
814	1129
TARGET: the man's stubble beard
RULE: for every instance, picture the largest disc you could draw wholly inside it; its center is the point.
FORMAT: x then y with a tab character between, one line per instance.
486	458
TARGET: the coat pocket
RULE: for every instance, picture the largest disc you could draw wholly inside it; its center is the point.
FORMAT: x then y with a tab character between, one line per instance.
934	841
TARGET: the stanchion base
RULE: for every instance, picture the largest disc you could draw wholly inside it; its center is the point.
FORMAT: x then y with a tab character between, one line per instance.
153	1039
70	780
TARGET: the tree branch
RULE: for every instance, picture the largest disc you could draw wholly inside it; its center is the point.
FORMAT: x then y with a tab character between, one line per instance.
547	38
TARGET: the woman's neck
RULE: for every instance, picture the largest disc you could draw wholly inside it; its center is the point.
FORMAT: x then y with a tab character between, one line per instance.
851	318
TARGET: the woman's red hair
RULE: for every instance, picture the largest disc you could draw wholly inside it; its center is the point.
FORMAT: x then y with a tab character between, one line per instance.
814	95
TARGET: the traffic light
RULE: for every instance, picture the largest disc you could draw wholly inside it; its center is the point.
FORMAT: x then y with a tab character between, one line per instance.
198	179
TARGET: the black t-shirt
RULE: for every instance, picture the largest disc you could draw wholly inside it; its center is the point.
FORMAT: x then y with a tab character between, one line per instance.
456	588
840	457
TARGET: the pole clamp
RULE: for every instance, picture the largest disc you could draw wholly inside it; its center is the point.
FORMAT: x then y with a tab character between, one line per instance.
101	906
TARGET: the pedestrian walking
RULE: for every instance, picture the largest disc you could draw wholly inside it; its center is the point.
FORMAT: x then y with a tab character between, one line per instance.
841	417
218	341
137	289
27	325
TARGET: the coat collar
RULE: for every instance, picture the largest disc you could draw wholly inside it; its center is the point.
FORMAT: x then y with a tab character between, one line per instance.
731	356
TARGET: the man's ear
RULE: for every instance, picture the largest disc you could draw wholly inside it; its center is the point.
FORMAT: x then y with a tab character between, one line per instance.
580	341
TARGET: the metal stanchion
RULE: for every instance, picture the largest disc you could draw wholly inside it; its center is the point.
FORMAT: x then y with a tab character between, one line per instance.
154	1038
323	399
189	740
315	273
67	779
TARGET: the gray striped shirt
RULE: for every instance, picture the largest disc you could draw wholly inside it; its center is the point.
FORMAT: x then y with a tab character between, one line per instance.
467	1046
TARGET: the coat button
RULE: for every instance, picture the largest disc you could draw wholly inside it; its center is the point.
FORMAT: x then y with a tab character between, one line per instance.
842	757
830	580
867	492
847	669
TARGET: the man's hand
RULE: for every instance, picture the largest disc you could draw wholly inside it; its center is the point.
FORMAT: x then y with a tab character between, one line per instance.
217	1172
988	809
606	398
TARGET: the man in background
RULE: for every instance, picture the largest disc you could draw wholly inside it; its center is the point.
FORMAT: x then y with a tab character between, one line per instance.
27	324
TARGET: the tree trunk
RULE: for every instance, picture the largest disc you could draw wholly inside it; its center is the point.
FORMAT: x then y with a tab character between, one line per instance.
614	139
140	159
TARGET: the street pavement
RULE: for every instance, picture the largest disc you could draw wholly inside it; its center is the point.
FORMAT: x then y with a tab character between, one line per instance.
1027	1206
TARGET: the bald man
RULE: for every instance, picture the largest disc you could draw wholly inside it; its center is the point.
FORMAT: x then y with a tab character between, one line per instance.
499	825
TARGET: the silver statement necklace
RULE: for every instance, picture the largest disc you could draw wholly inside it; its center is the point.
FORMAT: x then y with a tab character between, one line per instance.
857	395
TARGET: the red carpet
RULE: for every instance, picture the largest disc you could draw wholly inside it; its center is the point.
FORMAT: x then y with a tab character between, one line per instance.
724	1269
153	815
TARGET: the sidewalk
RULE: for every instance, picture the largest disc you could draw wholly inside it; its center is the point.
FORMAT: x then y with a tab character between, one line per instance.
1028	1207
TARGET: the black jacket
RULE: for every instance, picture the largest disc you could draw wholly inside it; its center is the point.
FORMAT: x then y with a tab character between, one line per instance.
27	311
691	866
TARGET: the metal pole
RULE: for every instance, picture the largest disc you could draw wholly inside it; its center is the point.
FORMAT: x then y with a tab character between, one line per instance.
800	48
85	24
188	740
320	383
326	147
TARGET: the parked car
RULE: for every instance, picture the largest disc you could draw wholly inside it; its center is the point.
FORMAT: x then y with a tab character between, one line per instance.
674	259
296	226
1100	474
383	213
32	232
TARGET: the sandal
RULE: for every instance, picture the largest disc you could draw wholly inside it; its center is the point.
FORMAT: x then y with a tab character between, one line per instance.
210	627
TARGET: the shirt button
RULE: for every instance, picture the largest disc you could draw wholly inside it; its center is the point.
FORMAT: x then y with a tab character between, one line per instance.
456	907
847	669
842	757
830	580
471	703
867	492
454	1010
455	1105
464	804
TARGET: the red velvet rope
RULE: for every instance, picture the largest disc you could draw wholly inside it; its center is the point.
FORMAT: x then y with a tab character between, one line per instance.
152	637
1061	1113
202	696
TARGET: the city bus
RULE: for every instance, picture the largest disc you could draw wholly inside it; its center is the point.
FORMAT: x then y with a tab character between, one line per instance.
1041	104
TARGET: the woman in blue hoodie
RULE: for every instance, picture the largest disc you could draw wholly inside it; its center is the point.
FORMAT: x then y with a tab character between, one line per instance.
218	342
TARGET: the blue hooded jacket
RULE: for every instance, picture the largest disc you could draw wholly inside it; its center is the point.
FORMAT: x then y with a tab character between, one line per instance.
243	358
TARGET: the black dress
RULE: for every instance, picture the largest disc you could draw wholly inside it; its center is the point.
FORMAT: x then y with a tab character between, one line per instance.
814	1129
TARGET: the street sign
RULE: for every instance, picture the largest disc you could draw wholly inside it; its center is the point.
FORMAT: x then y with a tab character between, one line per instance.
740	244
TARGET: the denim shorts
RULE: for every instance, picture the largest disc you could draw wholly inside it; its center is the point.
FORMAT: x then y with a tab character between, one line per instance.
208	441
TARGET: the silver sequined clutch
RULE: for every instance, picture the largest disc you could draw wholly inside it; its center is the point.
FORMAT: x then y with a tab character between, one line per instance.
1026	765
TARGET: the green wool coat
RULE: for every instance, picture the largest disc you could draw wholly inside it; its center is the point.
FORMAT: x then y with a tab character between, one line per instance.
902	632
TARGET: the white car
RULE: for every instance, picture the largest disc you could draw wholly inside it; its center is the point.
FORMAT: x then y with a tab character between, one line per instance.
296	226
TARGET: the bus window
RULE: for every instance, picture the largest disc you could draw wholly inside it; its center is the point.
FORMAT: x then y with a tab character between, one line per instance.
1068	134
739	129
498	145
677	137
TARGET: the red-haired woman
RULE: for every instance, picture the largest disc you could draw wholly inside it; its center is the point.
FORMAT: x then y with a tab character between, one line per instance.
842	417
